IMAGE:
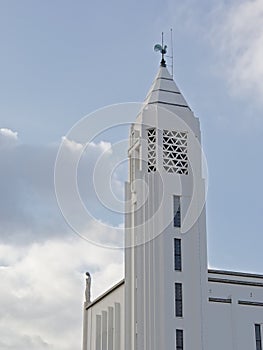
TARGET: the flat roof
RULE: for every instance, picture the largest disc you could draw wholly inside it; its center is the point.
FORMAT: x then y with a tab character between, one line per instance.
210	271
237	274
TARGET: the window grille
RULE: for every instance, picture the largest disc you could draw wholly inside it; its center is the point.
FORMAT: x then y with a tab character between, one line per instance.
175	159
151	150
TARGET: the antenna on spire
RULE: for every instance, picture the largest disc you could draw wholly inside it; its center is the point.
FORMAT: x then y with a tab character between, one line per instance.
172	51
171	56
163	49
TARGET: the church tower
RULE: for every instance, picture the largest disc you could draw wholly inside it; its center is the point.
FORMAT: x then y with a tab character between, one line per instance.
168	299
165	226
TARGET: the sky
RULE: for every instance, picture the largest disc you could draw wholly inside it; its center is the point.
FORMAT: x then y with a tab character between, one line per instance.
63	60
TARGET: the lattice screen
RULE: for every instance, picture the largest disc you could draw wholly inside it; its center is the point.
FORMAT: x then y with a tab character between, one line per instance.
151	150
175	158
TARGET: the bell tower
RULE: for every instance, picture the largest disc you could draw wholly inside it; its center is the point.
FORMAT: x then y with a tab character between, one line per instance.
165	226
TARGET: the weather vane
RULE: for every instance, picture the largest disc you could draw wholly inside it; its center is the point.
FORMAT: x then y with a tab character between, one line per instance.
163	49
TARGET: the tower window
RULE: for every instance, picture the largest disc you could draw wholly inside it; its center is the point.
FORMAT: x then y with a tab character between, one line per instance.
179	339
177	211
178	300
175	159
258	337
177	254
151	135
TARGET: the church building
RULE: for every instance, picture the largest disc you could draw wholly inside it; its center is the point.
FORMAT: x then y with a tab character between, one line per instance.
169	299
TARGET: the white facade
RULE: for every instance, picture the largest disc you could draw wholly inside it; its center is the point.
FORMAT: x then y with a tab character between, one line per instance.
150	276
234	307
169	299
103	321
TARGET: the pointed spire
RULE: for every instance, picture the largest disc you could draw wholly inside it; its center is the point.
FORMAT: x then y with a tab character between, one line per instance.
164	91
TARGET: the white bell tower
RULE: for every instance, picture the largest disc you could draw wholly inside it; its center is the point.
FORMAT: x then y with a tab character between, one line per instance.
165	256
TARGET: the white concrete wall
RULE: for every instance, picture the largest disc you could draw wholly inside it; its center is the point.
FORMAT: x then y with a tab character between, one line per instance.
228	326
150	277
105	322
231	326
210	321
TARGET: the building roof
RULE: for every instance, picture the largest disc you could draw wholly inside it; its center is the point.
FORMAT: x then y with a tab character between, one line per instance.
241	278
236	274
235	278
165	91
109	291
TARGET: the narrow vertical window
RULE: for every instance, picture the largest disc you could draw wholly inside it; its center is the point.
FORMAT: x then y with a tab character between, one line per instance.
177	254
179	339
178	300
258	337
151	135
177	211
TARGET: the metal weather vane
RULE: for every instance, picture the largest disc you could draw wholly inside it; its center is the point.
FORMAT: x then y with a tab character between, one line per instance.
163	49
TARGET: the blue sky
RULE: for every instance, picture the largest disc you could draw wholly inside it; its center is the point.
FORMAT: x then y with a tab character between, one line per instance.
61	60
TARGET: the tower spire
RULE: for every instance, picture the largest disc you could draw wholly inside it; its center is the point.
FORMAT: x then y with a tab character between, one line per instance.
162	49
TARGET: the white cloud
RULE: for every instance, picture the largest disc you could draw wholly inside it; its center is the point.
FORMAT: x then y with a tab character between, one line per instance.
8	133
13	341
28	206
42	262
42	291
8	137
102	145
72	145
237	36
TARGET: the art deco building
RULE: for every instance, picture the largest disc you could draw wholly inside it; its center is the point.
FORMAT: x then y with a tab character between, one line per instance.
168	298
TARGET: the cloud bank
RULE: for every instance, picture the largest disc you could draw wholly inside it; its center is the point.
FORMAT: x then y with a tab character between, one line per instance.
42	288
42	262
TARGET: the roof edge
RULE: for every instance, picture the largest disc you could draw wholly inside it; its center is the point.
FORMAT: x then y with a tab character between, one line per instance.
103	295
234	273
